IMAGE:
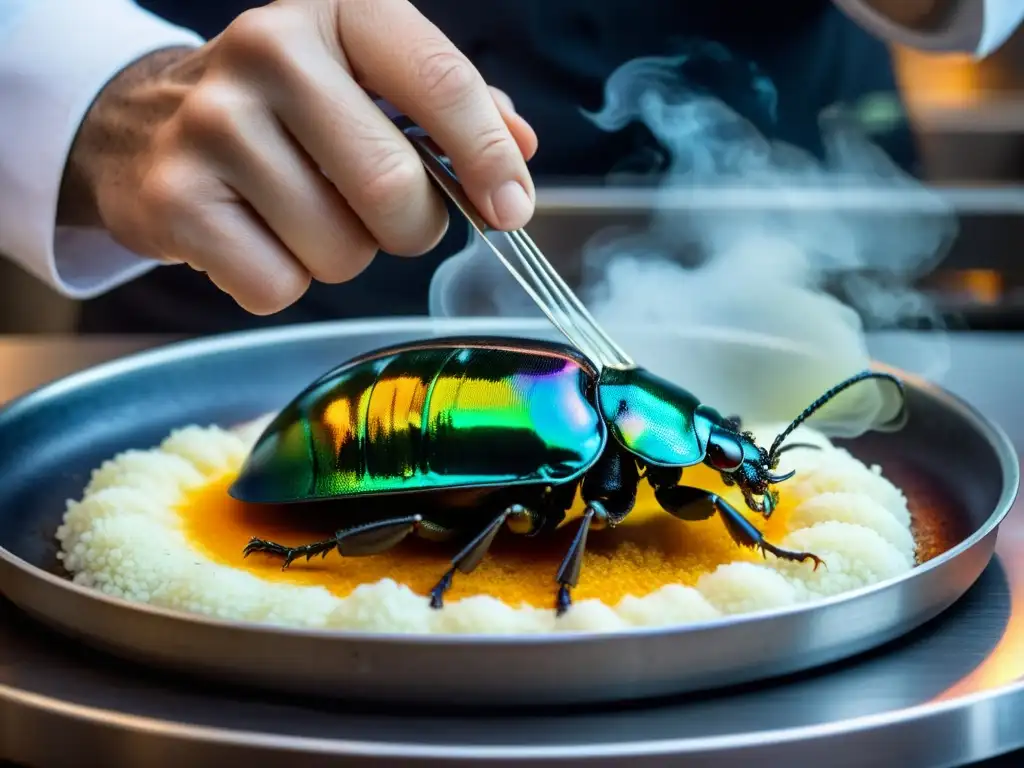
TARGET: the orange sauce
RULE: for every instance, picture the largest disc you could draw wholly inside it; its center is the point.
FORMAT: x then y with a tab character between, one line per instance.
935	521
648	551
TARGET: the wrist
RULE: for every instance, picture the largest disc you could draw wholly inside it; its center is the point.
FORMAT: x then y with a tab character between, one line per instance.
117	128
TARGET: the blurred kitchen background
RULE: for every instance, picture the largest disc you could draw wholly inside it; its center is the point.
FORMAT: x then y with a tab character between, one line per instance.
969	121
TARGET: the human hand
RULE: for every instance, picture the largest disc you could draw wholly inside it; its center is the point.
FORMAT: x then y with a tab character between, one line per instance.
262	160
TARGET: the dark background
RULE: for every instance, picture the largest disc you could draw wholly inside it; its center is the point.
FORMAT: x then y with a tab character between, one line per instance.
968	121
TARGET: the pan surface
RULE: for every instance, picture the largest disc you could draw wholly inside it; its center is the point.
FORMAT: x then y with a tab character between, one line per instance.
51	439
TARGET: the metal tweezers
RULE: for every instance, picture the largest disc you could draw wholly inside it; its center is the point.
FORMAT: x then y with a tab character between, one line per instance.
534	272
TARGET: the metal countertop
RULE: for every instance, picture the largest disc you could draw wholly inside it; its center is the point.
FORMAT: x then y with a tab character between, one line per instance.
973	653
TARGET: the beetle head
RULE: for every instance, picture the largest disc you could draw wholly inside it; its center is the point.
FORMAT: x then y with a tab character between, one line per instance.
743	463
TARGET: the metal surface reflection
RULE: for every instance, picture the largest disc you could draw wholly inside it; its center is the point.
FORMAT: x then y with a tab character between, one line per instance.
954	688
1004	663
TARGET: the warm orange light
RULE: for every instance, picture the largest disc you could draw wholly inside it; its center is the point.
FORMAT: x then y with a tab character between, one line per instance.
650	550
929	80
983	285
1004	663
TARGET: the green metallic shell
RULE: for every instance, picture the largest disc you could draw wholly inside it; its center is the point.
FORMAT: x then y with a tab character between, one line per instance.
653	418
432	415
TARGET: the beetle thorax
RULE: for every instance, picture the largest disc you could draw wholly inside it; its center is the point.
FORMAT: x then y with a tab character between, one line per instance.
652	418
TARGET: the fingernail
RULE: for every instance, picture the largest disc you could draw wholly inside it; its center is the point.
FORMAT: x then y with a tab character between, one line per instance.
512	205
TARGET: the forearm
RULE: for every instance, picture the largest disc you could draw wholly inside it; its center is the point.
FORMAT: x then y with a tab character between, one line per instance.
114	130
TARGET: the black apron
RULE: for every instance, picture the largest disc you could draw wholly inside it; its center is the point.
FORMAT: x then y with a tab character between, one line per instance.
553	58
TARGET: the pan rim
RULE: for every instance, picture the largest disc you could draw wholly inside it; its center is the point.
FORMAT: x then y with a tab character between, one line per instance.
408	749
209	345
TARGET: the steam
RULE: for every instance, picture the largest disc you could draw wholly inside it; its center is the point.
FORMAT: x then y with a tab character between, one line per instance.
766	263
738	241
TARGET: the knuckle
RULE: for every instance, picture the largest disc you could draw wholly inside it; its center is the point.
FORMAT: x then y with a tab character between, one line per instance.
164	191
447	76
170	205
256	30
393	174
494	145
212	113
259	38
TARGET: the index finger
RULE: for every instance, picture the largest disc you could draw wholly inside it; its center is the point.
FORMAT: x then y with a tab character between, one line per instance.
396	52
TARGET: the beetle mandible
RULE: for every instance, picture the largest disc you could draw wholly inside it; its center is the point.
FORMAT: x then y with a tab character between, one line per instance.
480	433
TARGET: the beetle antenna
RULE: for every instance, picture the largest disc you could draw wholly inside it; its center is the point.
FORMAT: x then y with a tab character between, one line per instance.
822	401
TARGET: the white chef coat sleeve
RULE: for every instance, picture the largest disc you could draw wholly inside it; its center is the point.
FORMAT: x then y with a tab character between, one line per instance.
976	27
55	57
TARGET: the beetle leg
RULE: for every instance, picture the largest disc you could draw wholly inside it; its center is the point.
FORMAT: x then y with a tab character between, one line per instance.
568	575
609	491
470	556
368	539
692	504
546	514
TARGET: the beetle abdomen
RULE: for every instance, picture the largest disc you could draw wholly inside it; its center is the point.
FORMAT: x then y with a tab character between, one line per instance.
431	417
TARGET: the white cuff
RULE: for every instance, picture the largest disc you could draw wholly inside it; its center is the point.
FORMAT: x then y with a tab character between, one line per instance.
55	57
976	27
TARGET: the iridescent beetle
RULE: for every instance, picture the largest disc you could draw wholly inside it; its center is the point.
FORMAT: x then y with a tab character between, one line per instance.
472	434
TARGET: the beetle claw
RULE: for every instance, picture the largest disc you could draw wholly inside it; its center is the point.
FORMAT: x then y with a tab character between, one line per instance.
252	546
437	593
785	554
563	602
272	548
